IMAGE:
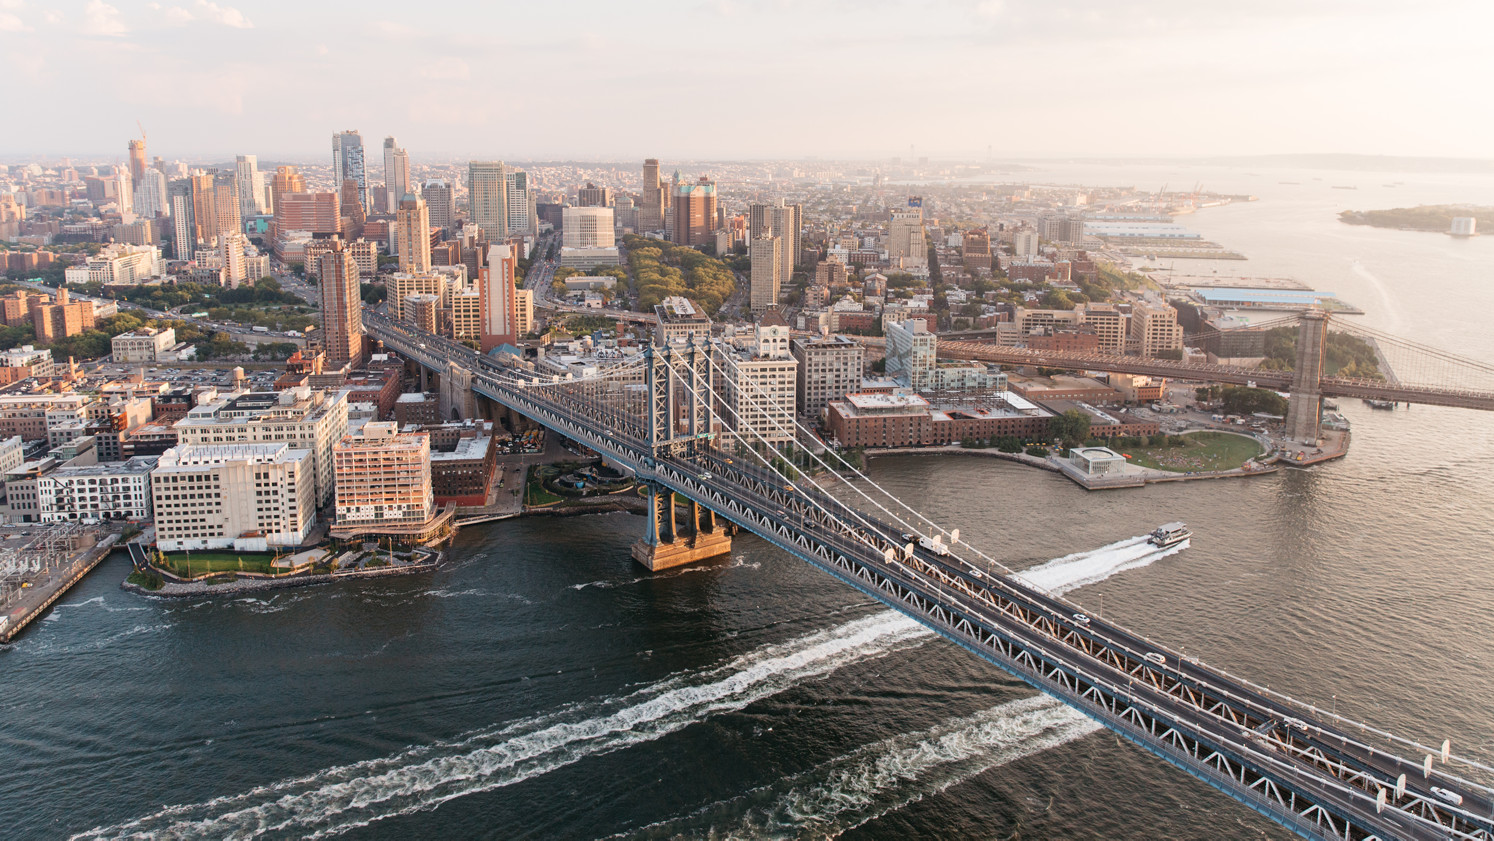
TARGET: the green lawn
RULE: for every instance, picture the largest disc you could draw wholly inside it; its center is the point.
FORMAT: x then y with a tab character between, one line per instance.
1206	451
203	562
534	488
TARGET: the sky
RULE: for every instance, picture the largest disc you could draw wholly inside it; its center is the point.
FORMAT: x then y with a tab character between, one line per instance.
754	79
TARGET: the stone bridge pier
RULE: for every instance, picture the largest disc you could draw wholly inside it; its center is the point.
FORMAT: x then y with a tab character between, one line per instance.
1305	405
667	542
458	401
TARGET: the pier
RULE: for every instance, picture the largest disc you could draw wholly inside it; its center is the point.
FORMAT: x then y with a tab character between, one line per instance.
36	573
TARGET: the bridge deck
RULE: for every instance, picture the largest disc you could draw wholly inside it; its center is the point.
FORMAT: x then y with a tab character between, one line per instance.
1287	761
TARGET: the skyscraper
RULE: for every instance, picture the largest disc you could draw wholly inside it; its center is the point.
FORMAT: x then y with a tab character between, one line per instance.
137	161
347	162
287	179
593	196
440	202
694	213
251	186
767	261
342	306
396	173
905	236
412	235
783	221
183	218
150	195
353	210
124	194
487	185
226	202
496	286
522	218
204	215
653	196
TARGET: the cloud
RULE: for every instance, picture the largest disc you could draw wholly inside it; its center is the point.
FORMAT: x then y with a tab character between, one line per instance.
446	68
226	15
175	15
100	18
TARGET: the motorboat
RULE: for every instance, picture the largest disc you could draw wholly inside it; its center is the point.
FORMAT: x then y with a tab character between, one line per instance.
1170	534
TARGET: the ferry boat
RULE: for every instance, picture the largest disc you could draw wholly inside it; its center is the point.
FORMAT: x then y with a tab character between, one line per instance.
1170	534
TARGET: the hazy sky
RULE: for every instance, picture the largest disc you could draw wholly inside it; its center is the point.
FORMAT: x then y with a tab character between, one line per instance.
750	78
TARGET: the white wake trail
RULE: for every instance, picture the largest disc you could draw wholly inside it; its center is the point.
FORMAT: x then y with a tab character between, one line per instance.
345	797
885	776
1074	571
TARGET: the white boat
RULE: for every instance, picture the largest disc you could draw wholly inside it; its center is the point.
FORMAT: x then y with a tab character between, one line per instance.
1170	534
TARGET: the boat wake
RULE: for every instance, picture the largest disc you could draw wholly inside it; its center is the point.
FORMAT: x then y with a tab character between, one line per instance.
1071	572
843	793
345	797
883	777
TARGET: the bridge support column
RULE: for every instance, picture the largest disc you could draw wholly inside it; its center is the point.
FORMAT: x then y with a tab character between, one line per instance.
1305	405
663	546
457	399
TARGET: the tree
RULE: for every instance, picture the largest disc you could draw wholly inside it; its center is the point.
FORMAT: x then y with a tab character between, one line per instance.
1071	427
1241	400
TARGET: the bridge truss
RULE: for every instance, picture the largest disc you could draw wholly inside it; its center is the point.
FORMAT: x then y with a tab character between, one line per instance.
1316	773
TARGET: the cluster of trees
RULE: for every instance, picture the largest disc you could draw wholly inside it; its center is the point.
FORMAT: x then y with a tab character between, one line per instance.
1432	217
661	269
1005	444
1343	355
275	352
372	294
1071	427
557	280
1242	400
266	290
585	325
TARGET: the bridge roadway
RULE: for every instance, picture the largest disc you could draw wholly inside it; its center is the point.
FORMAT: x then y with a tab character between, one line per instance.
1290	762
1207	372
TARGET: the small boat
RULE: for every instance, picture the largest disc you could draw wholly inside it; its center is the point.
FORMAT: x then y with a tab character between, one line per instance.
1380	404
1170	534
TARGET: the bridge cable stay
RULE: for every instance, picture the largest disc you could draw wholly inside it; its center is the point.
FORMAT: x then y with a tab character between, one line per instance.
488	367
976	550
1261	326
993	563
1018	594
954	598
1427	365
795	443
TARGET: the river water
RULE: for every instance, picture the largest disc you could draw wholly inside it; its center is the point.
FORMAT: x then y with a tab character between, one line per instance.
542	686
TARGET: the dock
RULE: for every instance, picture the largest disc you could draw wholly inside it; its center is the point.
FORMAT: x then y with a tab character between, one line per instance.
36	573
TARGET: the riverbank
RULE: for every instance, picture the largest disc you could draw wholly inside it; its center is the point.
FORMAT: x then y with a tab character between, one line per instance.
238	587
1133	476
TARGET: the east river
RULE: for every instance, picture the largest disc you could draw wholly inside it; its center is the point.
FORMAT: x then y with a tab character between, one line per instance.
543	686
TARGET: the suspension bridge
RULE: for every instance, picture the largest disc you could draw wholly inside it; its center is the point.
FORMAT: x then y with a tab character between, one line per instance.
1412	372
661	416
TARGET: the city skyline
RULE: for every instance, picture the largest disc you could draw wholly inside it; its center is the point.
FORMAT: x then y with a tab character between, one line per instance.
1159	78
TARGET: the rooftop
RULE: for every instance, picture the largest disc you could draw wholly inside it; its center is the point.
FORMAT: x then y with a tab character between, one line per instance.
190	457
1227	294
134	466
471	448
872	401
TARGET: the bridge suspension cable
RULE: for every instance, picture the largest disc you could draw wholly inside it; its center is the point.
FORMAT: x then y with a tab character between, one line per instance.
994	564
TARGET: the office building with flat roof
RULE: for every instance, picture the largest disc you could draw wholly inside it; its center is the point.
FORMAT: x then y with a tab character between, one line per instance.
244	496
